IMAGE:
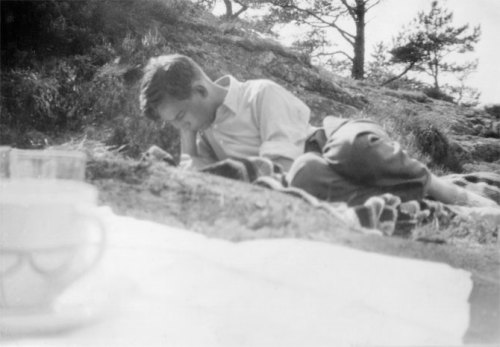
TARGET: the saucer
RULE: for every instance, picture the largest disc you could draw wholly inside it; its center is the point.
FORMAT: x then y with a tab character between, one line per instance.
61	318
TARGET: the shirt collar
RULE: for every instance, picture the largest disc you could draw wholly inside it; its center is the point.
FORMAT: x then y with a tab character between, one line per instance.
230	102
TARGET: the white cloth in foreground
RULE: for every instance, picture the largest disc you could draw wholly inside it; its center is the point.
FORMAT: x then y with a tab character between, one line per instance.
161	286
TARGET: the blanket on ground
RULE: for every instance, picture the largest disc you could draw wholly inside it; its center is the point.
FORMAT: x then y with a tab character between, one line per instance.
392	217
385	213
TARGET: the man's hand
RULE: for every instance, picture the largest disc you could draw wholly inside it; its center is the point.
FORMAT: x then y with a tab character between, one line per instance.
449	193
476	200
158	155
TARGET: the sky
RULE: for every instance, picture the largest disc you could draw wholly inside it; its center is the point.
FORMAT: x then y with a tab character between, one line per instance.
387	18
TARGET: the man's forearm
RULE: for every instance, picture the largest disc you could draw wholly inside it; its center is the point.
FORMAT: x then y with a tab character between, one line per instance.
192	158
188	143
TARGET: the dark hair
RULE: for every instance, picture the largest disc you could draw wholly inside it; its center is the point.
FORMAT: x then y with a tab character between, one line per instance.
167	75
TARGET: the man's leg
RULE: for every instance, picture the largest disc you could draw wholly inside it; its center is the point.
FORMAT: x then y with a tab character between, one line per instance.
359	161
362	161
312	173
377	160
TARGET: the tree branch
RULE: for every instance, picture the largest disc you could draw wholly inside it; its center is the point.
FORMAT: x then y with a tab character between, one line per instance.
372	5
350	9
408	68
346	35
324	54
243	8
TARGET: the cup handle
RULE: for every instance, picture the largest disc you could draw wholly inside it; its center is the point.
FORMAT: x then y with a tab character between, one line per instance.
91	214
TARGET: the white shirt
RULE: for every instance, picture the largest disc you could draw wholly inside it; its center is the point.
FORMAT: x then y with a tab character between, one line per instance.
259	118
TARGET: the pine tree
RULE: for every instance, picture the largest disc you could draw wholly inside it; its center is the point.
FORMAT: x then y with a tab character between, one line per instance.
322	15
429	41
378	67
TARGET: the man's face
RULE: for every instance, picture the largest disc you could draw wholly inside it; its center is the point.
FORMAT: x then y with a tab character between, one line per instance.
190	114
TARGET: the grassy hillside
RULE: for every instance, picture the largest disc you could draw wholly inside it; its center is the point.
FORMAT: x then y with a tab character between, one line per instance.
63	77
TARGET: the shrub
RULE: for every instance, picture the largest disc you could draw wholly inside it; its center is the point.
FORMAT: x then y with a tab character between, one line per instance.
493	110
61	72
432	142
27	99
406	83
437	94
34	29
53	52
53	95
134	135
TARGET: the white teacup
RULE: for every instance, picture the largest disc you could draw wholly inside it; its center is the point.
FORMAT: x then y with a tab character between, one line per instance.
50	235
47	163
4	161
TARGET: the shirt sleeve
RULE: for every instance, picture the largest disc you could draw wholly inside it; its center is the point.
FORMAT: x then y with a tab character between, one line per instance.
205	153
283	122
